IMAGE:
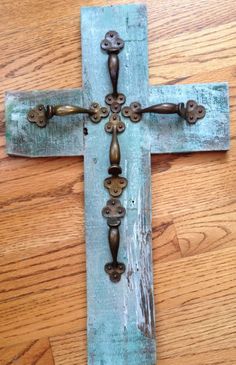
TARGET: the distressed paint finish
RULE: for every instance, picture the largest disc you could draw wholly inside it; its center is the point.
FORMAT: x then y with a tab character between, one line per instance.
121	325
121	328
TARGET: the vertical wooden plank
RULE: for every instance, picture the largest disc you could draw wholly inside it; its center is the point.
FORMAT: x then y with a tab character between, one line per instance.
121	328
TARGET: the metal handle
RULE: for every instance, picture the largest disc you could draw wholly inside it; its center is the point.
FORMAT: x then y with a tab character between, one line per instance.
62	110
115	183
114	126
166	108
114	242
113	66
191	113
113	44
114	211
41	114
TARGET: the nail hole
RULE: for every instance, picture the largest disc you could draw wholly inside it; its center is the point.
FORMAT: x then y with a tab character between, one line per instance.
85	131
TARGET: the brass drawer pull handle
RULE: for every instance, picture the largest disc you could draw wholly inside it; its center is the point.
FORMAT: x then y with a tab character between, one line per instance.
115	183
113	44
114	211
41	114
191	113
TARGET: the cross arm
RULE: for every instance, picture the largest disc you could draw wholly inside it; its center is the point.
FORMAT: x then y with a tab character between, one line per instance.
171	134
62	136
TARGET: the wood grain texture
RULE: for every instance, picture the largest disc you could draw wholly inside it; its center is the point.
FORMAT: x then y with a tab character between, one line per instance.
193	195
37	352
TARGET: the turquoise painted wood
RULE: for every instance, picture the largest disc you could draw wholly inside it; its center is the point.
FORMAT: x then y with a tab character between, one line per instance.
171	134
121	318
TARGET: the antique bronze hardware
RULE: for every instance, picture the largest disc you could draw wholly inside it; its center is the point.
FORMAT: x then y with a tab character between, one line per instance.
41	114
114	211
191	113
112	44
115	183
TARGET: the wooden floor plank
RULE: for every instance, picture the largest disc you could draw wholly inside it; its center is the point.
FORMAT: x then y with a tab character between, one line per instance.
37	352
70	348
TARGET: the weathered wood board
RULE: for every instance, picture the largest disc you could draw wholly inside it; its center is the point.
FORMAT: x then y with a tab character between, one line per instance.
121	322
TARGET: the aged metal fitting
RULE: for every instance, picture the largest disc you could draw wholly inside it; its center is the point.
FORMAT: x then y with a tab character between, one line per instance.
114	211
191	113
41	114
113	44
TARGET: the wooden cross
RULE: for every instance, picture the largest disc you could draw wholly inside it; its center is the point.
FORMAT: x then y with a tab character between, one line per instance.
121	323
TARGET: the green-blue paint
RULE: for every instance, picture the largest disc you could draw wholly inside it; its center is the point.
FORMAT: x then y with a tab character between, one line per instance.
121	327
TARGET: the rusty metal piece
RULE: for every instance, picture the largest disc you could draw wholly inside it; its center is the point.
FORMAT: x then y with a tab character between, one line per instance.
98	112
132	112
115	101
113	211
115	185
112	44
41	114
191	113
114	126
